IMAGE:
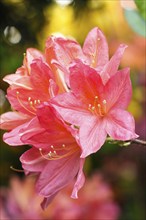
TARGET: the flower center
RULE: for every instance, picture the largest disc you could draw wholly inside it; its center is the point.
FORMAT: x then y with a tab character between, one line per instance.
98	107
58	152
31	104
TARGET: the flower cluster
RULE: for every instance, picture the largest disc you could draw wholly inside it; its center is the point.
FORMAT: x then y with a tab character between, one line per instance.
96	201
65	102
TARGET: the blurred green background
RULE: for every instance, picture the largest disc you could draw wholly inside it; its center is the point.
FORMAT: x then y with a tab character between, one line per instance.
27	23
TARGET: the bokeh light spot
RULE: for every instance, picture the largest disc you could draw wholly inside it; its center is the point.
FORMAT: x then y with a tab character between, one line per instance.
12	35
63	2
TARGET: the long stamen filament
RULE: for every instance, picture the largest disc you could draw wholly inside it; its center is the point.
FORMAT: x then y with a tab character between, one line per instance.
31	105
17	94
100	110
54	156
104	105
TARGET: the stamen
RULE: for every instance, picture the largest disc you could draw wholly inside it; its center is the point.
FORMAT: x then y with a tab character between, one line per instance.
38	101
54	156
17	94
31	105
95	100
104	105
104	102
35	102
29	98
98	38
99	109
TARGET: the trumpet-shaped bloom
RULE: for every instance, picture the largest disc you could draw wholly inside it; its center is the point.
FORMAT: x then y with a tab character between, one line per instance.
97	109
56	156
32	84
61	52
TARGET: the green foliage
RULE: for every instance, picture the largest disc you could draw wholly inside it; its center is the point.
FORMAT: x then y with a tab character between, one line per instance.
136	22
141	5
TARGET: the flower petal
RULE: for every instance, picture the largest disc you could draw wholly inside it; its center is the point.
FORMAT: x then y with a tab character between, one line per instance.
85	82
17	80
96	48
118	90
31	54
80	180
40	75
57	174
120	125
63	50
32	161
46	201
112	66
92	135
10	120
60	52
70	108
13	137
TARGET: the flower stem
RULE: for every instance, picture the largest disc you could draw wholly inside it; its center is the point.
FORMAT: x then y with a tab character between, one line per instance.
138	141
126	143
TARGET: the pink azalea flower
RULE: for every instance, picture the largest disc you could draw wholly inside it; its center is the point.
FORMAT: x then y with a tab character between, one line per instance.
56	156
61	52
96	201
32	84
20	201
97	109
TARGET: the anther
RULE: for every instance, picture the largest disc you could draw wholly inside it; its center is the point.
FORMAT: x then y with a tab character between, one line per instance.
104	107
98	38
31	103
104	102
39	101
35	102
29	98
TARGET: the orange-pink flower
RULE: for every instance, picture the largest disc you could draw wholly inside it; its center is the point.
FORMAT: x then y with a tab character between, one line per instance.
95	108
32	84
56	156
65	102
61	52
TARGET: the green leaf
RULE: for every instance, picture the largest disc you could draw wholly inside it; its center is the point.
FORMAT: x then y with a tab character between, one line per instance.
136	22
141	5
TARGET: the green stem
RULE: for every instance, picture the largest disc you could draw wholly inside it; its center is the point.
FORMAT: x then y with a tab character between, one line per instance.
126	143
